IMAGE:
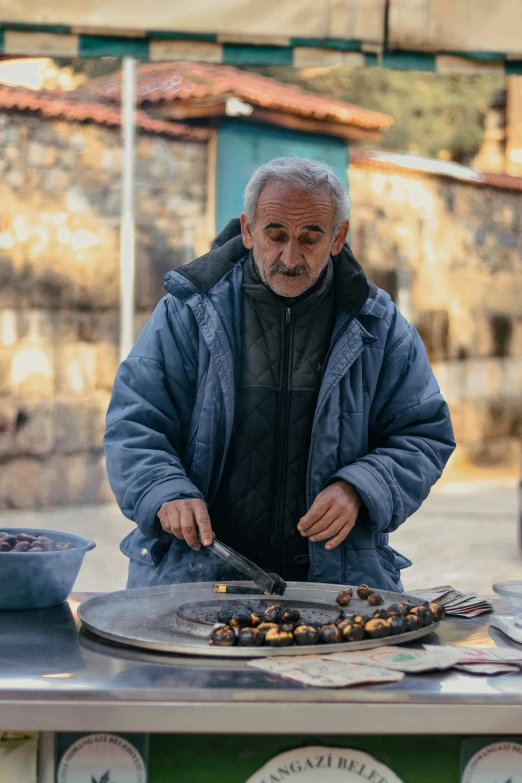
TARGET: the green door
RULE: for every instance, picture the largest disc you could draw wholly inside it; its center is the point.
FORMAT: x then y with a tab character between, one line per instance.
244	146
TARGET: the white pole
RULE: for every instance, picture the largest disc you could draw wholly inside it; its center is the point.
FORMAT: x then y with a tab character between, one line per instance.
46	754
127	242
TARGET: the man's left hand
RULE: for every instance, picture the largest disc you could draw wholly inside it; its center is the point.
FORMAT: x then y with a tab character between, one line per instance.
332	514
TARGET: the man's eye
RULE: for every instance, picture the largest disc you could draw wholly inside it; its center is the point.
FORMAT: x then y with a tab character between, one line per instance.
309	241
277	237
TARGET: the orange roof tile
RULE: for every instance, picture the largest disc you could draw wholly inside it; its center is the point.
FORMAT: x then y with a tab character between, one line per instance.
69	106
432	167
208	84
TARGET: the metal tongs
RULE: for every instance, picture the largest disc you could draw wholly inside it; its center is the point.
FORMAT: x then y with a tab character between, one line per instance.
268	583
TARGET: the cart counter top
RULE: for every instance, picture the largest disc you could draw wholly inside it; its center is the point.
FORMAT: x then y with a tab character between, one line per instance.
56	677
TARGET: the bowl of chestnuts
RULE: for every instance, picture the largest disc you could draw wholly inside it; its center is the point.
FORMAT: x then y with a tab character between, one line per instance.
38	568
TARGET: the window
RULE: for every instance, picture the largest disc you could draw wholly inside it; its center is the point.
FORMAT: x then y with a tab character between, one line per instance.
501	331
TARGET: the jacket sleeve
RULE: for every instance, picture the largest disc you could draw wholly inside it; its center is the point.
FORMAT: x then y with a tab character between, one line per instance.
143	434
410	438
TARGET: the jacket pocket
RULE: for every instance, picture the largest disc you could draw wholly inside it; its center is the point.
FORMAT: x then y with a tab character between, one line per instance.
391	560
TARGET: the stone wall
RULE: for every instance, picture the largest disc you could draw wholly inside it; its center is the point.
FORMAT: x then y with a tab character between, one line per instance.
459	246
486	406
59	289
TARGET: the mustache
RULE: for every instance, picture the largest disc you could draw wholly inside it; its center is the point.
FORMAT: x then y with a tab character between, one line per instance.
295	271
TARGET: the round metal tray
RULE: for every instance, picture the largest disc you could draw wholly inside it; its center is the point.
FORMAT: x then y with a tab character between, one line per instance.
178	618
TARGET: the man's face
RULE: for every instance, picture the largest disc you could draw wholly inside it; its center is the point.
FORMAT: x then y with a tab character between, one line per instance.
293	237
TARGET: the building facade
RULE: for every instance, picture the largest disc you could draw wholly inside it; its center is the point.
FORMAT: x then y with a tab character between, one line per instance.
446	242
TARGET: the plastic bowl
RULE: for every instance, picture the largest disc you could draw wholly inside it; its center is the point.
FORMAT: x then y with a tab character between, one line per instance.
511	591
36	580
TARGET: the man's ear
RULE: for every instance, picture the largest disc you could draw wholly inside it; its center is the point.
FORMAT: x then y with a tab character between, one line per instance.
247	232
340	238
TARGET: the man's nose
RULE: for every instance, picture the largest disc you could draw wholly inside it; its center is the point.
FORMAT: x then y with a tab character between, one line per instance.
291	254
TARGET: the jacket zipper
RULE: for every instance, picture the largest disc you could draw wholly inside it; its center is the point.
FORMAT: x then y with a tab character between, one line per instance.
282	447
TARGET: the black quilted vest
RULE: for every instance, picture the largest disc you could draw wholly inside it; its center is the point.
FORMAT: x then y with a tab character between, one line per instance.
262	492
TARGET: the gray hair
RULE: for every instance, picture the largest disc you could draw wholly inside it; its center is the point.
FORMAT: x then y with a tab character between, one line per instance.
304	173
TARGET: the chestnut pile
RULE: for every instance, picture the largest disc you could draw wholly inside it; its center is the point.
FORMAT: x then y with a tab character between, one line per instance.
396	619
282	626
275	626
25	542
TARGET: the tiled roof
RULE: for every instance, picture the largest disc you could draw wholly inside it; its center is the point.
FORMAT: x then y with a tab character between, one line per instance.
504	181
69	106
432	167
208	84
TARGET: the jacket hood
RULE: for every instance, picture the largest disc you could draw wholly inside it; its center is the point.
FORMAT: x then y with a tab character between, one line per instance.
351	285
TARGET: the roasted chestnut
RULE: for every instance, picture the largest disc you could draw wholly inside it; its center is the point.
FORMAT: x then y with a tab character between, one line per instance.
429	617
240	618
306	634
225	613
4	547
353	632
413	622
418	611
271	614
289	615
344	596
287	627
375	599
223	636
397	625
438	611
381	614
377	629
344	622
330	633
250	637
394	611
279	638
363	591
361	619
264	628
312	623
404	609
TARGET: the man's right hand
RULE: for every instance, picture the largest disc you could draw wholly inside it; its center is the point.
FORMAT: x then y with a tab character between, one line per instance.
183	518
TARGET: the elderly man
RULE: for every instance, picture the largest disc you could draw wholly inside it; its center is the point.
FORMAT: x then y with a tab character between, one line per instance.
277	399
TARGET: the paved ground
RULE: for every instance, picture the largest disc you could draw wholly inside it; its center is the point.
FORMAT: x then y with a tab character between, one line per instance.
464	535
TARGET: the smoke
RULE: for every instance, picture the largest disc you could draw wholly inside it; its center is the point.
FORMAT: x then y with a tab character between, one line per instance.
181	564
